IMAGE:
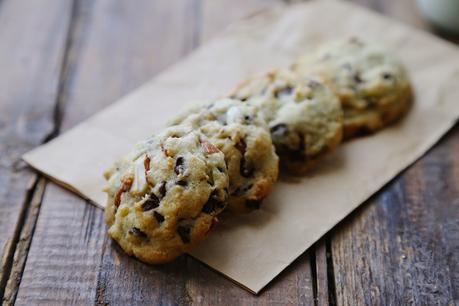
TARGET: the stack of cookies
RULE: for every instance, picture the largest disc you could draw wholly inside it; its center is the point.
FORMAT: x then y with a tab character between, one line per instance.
164	197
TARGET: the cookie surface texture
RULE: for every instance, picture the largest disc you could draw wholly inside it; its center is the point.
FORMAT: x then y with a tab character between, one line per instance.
238	130
163	197
371	83
303	114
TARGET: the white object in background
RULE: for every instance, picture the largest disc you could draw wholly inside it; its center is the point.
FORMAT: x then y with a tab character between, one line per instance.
442	13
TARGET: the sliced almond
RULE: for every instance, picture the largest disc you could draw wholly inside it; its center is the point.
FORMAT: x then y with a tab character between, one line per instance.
139	185
208	148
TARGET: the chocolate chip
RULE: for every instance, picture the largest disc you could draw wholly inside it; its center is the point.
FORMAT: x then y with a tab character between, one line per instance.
371	102
159	218
247	119
253	204
179	166
280	129
293	154
298	154
221	169
362	131
287	90
137	232
182	183
357	77
301	145
184	233
387	76
213	203
150	203
241	146
208	207
242	189
246	167
162	189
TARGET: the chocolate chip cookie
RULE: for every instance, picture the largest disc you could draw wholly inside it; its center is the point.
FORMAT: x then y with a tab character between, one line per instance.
304	116
238	130
163	197
372	85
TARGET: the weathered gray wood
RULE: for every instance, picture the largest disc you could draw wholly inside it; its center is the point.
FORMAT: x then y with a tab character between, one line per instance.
32	36
23	244
321	274
294	286
401	248
120	280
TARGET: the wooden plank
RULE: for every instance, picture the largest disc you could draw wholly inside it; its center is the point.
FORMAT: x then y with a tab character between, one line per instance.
23	244
294	286
32	37
322	258
401	247
116	46
70	233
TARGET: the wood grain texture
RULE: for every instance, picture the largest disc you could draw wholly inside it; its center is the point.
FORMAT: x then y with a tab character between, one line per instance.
23	244
322	285
32	36
116	46
401	248
294	286
91	260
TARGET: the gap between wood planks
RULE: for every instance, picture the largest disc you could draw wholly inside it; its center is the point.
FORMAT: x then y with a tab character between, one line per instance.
16	256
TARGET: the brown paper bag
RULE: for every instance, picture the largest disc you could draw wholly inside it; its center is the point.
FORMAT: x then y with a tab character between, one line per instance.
254	248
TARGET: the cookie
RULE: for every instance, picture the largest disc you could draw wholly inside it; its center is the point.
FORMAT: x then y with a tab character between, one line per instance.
372	85
238	130
304	116
163	197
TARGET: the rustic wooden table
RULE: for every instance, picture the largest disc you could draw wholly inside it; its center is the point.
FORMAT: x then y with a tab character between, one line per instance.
63	60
